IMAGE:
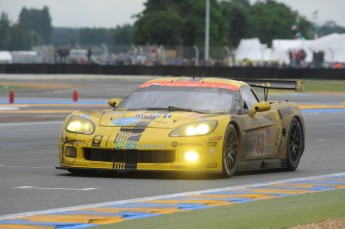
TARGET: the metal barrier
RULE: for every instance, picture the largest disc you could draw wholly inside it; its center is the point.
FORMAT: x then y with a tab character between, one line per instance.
166	70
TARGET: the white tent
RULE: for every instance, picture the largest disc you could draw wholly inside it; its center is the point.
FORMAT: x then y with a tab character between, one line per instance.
24	57
5	57
281	49
252	49
332	45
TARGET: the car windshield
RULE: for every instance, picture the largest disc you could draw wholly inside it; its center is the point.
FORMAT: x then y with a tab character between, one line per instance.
206	100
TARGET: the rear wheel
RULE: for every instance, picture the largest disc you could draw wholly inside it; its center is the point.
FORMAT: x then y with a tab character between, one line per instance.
294	145
230	150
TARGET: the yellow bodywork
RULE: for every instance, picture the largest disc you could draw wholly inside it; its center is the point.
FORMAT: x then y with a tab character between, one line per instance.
144	141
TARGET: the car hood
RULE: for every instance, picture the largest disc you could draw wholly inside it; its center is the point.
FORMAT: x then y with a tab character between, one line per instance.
156	119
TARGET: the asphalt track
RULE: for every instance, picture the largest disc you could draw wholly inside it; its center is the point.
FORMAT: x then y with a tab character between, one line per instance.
28	150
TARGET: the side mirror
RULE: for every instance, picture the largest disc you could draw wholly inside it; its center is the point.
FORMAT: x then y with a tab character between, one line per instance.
115	102
259	107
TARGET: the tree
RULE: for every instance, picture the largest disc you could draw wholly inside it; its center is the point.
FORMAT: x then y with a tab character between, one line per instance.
122	35
237	15
38	22
94	36
13	37
271	20
178	23
330	27
20	39
5	31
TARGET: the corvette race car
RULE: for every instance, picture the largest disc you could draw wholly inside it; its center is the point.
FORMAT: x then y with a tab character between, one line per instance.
187	124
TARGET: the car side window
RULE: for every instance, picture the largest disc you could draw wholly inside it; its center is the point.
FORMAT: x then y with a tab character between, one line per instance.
249	98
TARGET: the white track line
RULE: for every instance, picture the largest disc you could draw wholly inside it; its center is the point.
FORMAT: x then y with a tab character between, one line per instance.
57	210
30	123
46	188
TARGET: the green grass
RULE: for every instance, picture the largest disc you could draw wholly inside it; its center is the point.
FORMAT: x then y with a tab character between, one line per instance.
273	213
4	87
325	85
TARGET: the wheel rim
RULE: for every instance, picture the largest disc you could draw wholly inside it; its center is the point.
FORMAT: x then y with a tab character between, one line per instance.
295	142
230	156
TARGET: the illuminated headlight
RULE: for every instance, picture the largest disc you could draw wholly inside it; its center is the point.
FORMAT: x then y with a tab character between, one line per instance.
191	156
195	129
80	125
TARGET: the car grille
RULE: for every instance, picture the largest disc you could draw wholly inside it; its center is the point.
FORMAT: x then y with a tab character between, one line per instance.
130	156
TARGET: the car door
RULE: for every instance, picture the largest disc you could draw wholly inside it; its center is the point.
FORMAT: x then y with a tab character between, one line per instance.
263	131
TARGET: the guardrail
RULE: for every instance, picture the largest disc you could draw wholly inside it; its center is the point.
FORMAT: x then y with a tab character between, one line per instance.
220	71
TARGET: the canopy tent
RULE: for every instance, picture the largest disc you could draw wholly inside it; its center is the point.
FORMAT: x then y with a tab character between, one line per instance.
281	49
252	49
332	45
5	57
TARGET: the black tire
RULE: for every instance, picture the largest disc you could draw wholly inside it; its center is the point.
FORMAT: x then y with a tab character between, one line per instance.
230	151
294	145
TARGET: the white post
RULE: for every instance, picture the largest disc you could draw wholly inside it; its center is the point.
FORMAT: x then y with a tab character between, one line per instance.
207	31
163	54
196	55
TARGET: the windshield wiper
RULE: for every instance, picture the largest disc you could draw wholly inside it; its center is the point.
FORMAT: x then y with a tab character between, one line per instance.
172	108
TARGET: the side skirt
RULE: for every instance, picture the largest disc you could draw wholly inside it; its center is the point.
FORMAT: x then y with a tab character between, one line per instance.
261	164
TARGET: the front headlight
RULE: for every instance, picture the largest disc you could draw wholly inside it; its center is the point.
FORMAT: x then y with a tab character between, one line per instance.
195	129
79	125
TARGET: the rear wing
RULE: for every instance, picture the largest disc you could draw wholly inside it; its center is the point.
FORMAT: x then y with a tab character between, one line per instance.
294	85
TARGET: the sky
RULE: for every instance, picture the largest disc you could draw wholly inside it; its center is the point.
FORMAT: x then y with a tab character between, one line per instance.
111	13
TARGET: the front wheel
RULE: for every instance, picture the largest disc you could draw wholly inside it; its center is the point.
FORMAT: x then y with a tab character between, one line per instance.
230	151
294	145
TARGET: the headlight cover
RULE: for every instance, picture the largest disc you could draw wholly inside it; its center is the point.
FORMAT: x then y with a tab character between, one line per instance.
195	129
79	125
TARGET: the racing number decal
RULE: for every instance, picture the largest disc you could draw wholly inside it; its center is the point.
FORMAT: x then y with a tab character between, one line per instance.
260	143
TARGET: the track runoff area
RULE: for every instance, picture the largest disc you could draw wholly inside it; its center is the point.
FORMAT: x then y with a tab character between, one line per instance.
67	106
120	211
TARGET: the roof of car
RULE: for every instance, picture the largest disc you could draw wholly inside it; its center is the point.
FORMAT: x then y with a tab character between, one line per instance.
233	85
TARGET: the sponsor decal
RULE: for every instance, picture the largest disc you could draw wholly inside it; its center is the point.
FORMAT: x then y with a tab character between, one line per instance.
153	116
188	80
120	144
212	144
200	116
129	134
281	139
219	111
260	143
96	141
271	134
251	140
211	165
217	138
85	116
212	152
174	144
72	141
152	146
125	121
190	144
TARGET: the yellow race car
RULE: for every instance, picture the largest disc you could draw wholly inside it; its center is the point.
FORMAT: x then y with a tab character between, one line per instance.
210	125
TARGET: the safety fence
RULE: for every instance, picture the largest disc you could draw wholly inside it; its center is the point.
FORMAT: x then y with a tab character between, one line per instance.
167	70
